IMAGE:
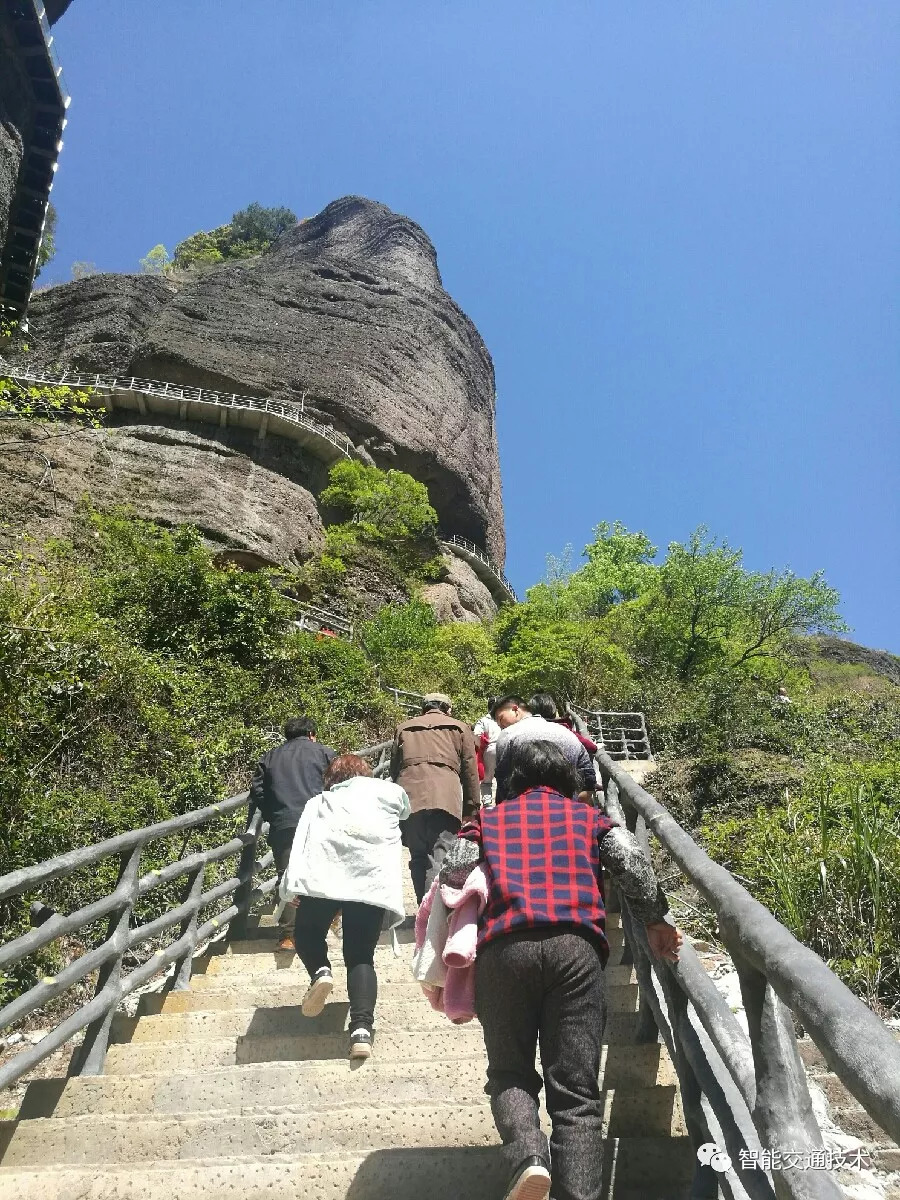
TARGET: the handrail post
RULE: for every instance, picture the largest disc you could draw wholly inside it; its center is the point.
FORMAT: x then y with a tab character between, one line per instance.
181	976
783	1113
245	873
90	1056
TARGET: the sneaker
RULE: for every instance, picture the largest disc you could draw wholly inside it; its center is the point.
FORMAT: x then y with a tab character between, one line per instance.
531	1181
360	1043
318	992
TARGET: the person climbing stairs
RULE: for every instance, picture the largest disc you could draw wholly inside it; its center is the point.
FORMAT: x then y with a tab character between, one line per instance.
226	1089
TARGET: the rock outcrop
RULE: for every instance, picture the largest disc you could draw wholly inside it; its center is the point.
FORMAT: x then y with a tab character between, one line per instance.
259	504
345	313
460	595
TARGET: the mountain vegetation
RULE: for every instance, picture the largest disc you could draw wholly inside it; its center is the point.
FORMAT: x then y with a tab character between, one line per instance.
141	680
250	231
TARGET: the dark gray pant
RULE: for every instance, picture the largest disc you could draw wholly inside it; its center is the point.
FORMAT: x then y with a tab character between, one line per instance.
545	986
426	834
280	843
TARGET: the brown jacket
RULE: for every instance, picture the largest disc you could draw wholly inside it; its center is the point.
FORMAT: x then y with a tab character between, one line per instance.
433	760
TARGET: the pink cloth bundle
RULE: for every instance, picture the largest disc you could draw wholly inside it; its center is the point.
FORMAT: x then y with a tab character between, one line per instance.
446	939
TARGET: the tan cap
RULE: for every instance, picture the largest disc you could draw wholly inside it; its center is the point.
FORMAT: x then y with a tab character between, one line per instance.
437	698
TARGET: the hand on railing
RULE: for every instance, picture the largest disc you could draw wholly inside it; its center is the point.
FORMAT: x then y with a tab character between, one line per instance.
665	940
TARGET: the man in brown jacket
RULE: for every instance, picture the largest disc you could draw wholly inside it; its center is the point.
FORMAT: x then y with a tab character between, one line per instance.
433	760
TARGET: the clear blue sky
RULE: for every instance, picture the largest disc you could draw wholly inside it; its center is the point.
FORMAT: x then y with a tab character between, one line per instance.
677	227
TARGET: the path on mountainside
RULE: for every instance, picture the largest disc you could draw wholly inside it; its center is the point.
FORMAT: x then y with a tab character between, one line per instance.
226	1089
220	1086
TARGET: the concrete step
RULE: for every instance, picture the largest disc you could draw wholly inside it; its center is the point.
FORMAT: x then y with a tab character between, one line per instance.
636	1169
445	1040
119	1140
161	1057
216	994
289	1022
258	956
322	1126
263	1086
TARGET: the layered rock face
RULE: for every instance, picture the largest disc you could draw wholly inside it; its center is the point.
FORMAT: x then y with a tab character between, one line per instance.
260	503
345	313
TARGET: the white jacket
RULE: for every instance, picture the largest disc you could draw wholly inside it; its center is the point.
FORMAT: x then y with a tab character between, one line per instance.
347	846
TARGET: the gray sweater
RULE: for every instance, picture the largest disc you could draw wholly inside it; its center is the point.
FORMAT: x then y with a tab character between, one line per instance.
536	729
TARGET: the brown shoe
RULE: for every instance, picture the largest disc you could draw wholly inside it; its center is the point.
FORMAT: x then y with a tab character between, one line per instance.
286	943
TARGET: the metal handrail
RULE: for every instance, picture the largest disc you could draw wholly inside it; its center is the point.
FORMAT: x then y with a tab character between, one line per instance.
753	1086
311	618
622	735
454	539
95	1016
187	393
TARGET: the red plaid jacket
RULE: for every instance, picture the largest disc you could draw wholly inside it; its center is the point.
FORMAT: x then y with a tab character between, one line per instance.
543	853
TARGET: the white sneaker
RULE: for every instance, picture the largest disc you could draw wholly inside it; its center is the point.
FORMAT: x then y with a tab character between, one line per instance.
318	992
360	1043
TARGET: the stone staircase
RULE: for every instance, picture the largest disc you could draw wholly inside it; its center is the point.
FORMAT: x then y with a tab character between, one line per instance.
226	1090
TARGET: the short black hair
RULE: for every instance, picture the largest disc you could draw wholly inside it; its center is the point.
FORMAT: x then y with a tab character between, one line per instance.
502	701
532	764
543	705
295	727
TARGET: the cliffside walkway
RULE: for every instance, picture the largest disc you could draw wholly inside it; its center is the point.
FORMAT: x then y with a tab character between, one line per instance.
220	1087
154	397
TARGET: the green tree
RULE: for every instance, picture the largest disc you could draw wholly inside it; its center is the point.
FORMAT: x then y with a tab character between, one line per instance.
387	505
82	269
155	261
256	224
48	238
619	567
250	231
707	612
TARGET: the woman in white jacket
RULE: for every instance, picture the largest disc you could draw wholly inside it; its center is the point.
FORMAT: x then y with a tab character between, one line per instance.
347	858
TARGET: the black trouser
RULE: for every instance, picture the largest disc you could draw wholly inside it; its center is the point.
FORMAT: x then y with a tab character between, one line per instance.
422	834
362	925
280	843
541	985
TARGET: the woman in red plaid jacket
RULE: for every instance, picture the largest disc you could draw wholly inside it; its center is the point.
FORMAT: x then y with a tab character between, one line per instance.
539	967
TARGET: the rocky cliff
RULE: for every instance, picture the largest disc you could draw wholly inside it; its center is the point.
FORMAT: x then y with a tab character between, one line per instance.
345	316
345	313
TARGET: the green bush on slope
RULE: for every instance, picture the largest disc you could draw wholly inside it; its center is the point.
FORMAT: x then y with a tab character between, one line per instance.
139	682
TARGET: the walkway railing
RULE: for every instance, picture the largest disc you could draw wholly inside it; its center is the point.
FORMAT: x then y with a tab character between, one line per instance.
621	735
470	551
184	394
748	1094
315	620
199	916
410	702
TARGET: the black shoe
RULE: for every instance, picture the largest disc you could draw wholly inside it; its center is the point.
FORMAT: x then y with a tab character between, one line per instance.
360	1043
531	1181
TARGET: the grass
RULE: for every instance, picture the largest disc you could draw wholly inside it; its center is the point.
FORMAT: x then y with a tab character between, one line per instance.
827	863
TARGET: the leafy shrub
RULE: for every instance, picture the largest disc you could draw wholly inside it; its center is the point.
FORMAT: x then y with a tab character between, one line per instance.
140	681
827	863
250	231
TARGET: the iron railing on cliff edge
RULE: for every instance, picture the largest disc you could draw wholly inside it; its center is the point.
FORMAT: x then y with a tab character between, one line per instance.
183	402
748	1094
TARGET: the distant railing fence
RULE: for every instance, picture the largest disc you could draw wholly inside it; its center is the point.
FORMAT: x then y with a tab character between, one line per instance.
198	918
620	735
749	1095
316	620
471	550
